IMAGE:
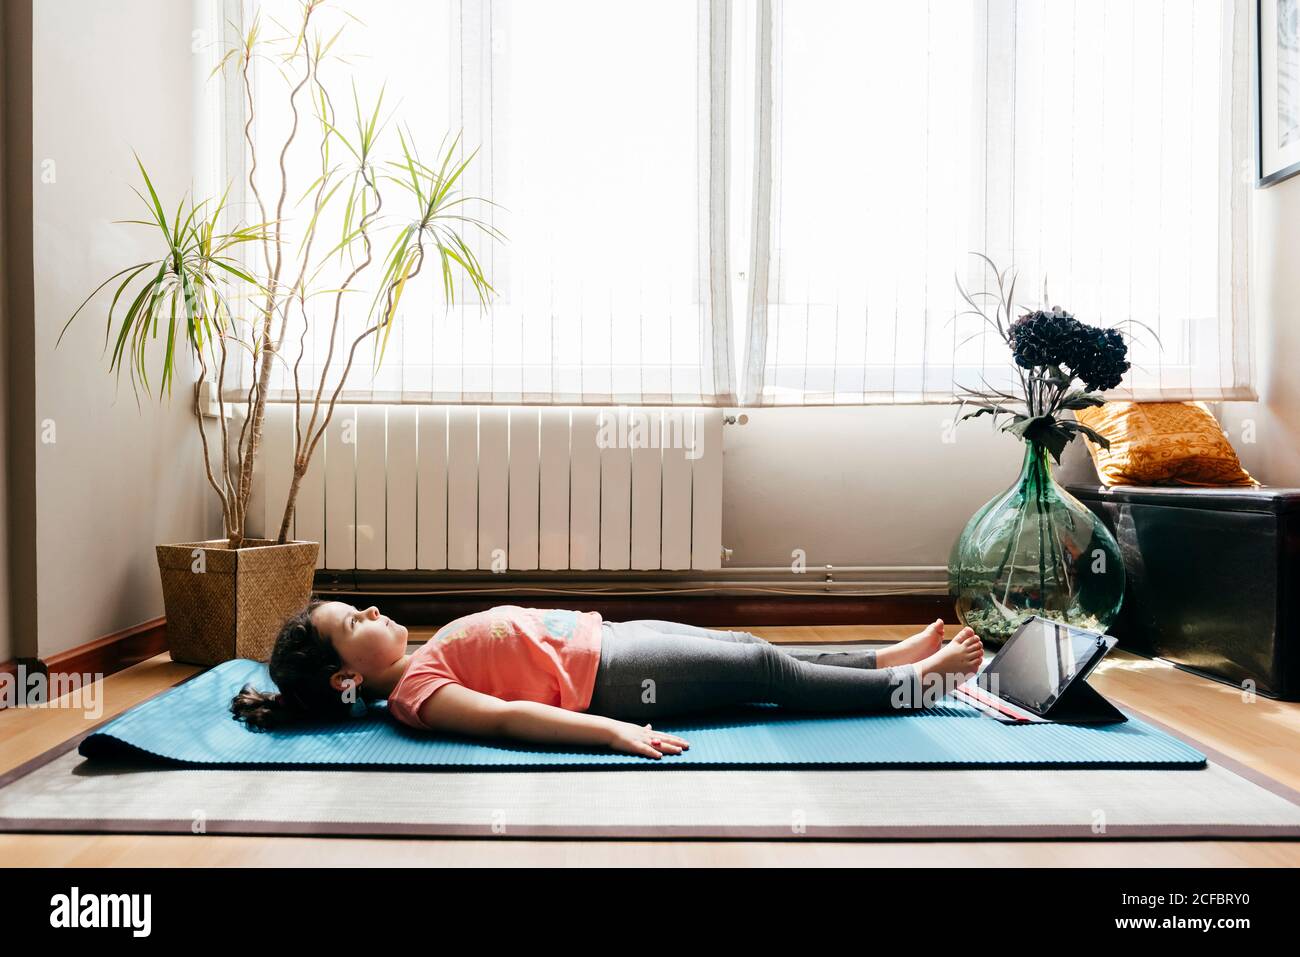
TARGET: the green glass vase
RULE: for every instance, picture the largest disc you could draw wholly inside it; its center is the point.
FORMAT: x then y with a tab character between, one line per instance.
1035	550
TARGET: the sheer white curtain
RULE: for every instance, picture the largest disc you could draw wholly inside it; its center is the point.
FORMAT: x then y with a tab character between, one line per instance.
601	130
1100	146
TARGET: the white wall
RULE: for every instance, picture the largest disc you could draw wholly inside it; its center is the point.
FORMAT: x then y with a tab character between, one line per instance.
108	76
860	486
7	650
1274	456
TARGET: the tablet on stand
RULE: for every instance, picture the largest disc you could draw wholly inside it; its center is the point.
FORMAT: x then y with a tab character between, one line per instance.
1040	675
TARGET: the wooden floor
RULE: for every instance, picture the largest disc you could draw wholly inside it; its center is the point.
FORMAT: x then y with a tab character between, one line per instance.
1261	733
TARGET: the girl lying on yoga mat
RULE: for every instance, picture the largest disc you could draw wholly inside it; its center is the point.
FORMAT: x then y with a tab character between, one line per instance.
568	677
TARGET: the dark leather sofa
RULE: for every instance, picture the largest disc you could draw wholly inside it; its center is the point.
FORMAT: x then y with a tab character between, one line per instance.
1211	579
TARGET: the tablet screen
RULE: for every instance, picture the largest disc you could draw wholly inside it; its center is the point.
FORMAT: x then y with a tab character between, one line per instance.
1038	662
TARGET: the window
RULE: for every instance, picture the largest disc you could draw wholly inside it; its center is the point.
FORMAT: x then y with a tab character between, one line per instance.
827	165
593	126
1099	147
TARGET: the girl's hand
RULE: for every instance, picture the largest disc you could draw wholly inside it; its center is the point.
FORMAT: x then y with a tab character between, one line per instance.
634	739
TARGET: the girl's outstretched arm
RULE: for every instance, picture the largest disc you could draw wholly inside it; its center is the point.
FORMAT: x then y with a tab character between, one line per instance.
456	708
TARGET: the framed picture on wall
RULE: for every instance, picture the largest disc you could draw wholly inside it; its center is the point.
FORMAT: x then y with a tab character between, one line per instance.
1277	92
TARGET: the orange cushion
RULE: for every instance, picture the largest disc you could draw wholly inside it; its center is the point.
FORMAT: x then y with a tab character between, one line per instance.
1162	443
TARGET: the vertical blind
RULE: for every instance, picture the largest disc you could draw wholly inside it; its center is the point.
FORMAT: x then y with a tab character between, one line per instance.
1099	147
834	162
599	130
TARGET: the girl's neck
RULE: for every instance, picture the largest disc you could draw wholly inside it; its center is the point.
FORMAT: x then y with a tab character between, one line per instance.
381	686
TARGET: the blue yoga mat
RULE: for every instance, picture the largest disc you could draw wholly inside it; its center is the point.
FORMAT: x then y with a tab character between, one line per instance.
191	725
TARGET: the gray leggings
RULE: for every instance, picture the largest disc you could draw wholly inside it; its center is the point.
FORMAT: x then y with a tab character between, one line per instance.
653	669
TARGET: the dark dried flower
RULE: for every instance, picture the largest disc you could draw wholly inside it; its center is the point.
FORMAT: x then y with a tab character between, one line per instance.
1043	338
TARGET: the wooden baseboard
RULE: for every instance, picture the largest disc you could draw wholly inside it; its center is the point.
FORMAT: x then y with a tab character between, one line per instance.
101	657
706	611
30	665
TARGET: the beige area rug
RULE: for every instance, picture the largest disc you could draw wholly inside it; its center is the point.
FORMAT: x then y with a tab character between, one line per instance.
59	791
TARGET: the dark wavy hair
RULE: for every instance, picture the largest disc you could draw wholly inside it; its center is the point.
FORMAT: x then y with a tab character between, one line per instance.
302	662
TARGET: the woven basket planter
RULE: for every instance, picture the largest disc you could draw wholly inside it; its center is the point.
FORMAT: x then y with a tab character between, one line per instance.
232	603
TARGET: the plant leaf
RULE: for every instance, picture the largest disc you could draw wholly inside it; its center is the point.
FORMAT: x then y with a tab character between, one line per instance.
1079	399
1091	433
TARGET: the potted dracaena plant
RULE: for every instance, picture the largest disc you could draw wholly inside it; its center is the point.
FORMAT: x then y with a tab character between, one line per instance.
1035	549
226	598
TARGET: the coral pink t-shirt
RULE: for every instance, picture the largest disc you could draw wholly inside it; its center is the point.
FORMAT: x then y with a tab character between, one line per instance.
516	654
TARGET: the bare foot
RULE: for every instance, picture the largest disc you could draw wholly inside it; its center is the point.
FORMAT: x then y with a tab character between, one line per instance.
955	661
910	650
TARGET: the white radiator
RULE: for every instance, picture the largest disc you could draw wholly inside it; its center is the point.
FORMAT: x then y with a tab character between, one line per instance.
500	488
